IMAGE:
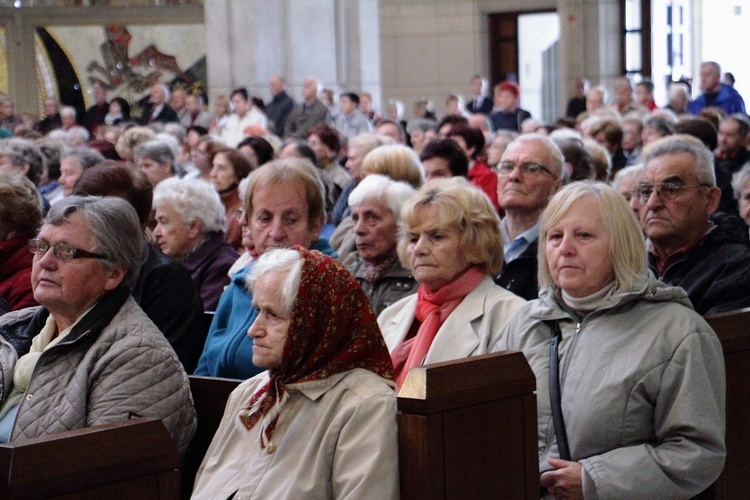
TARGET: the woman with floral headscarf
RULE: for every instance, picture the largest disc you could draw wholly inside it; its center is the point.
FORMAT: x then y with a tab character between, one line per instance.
321	421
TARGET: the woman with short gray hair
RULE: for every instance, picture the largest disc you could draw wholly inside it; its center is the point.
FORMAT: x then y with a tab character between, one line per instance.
190	226
90	355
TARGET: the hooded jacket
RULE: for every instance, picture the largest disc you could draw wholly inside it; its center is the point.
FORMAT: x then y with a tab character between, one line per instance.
643	389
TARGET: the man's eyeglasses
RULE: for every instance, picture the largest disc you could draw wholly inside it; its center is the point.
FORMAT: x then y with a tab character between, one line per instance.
61	250
666	191
506	168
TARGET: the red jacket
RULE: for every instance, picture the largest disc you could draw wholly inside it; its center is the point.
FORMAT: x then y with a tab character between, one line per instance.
15	273
484	178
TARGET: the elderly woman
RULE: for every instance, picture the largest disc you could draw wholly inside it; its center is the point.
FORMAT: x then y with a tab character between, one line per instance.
20	217
376	211
228	169
359	147
90	355
741	188
73	163
321	421
452	244
155	159
190	229
284	207
638	405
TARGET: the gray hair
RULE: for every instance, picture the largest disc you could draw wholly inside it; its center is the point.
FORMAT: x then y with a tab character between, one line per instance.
115	228
624	173
156	150
553	152
680	143
422	124
85	157
740	179
279	259
192	199
60	136
384	190
80	133
68	111
21	151
173	131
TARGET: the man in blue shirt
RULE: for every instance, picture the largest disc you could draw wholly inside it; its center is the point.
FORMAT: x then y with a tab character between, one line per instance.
716	94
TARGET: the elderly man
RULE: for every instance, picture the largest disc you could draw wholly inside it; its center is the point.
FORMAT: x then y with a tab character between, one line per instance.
677	195
195	114
308	114
280	105
284	207
89	355
157	109
730	156
716	94
528	174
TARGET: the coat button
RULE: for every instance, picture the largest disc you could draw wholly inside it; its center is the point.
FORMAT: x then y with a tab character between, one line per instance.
270	448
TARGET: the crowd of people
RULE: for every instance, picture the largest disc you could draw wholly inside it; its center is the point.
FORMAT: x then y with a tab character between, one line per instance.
318	251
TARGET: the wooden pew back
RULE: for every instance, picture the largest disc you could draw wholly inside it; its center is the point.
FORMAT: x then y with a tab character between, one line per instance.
733	330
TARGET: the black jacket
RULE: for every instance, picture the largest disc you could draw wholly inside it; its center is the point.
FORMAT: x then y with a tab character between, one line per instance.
520	275
716	273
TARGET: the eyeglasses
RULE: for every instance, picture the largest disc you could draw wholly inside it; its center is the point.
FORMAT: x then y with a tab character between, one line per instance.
61	250
666	191
506	168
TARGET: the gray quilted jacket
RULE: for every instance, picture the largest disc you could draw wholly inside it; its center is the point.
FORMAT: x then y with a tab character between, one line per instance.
114	364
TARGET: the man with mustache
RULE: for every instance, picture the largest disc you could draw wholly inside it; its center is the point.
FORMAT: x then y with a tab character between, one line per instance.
705	255
528	174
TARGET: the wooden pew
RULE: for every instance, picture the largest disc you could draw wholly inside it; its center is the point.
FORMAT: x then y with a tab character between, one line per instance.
733	330
468	429
131	459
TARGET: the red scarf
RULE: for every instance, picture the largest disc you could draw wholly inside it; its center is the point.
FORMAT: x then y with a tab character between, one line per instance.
433	308
332	330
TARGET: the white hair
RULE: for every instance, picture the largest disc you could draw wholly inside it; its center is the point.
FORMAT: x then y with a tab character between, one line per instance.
192	199
382	189
279	259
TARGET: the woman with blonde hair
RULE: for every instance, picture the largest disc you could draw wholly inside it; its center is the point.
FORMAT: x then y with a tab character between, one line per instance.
451	242
630	392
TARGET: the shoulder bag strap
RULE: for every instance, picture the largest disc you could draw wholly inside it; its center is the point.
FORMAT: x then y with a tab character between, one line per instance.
554	391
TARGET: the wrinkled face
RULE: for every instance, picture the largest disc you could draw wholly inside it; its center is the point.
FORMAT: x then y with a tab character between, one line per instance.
625	188
155	171
526	192
222	173
744	203
436	168
70	171
577	250
434	253
280	217
68	288
631	137
675	223
375	231
354	162
240	104
347	105
710	78
271	326
157	95
731	141
174	236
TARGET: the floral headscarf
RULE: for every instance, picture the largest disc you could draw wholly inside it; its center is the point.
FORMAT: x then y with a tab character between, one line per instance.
332	330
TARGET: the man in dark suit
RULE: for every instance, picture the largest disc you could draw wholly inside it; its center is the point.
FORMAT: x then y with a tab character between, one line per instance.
157	109
280	105
479	103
